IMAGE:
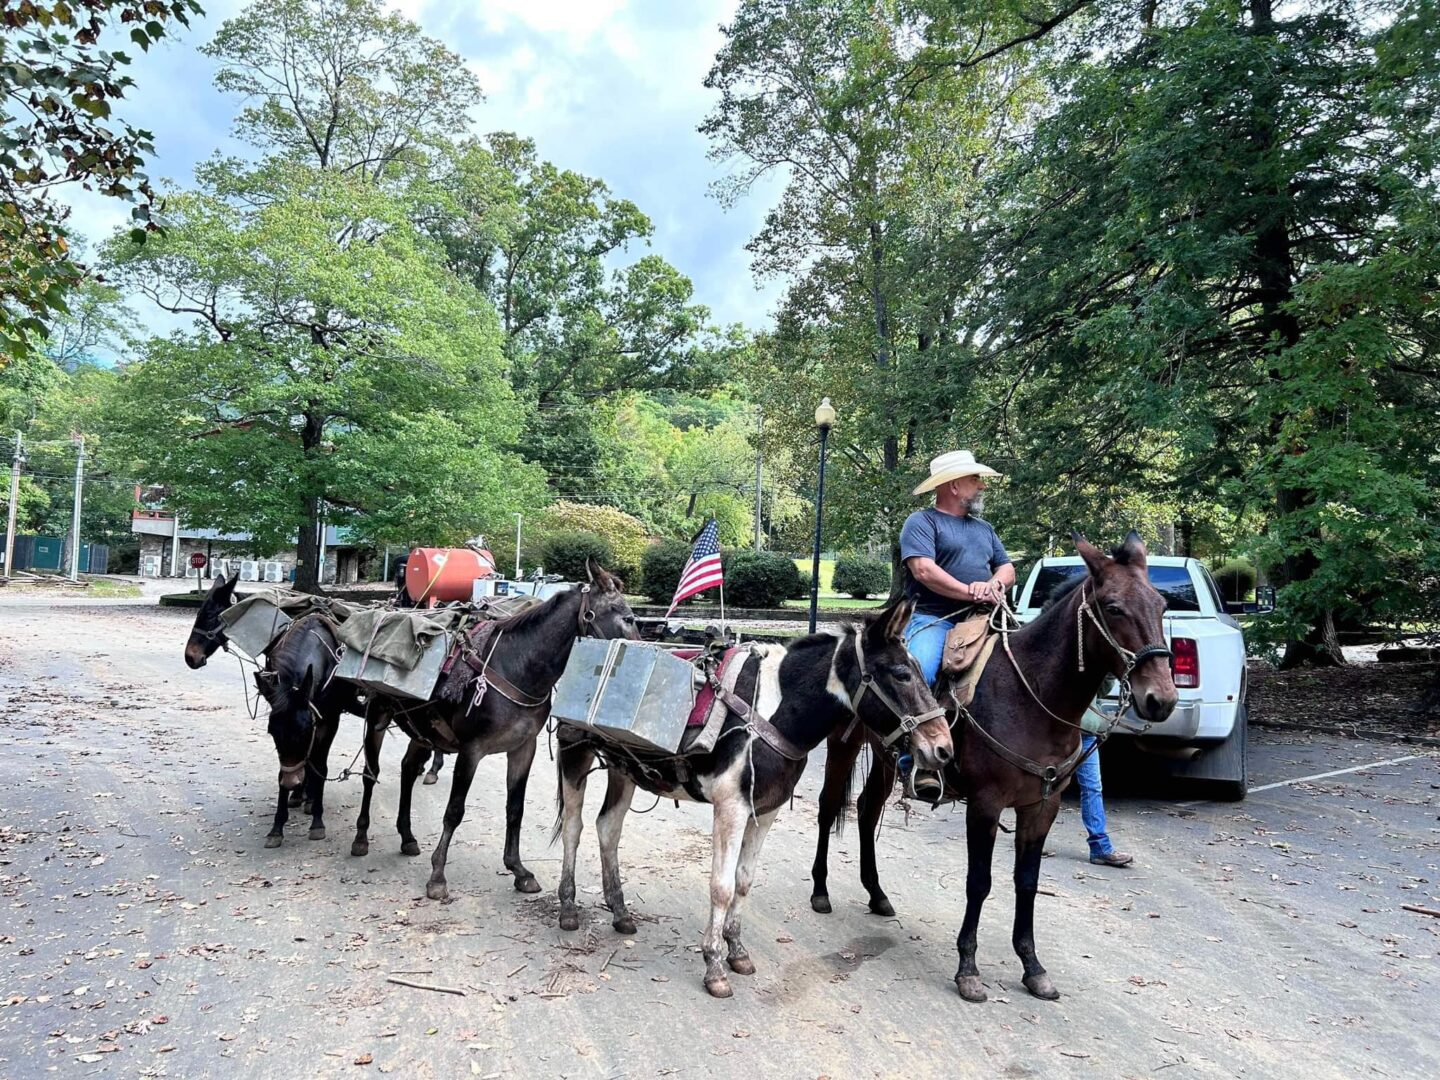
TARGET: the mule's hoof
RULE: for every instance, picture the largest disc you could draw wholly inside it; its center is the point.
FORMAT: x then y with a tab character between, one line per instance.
821	903
437	890
527	884
719	987
273	841
307	807
624	925
317	833
970	987
409	847
741	965
569	920
882	906
430	778
360	847
1041	986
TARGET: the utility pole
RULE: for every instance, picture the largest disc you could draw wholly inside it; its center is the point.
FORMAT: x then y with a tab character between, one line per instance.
518	519
75	513
759	472
15	463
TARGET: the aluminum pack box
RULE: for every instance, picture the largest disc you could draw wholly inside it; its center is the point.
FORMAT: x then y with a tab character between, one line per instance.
257	625
630	691
383	677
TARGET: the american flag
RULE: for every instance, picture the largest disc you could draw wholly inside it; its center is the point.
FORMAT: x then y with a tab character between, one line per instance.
702	572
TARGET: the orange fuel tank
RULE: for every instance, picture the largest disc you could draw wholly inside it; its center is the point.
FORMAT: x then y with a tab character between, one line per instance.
444	574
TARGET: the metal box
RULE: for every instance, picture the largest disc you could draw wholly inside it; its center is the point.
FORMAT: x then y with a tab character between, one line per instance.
257	625
384	677
632	692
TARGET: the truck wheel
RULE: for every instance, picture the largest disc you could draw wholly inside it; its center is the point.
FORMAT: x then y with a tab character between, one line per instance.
1232	756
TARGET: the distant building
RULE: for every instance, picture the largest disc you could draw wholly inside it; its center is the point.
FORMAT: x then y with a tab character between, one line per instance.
166	545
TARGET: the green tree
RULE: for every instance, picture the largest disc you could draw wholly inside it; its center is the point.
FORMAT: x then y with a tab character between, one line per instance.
876	230
335	368
60	77
1213	280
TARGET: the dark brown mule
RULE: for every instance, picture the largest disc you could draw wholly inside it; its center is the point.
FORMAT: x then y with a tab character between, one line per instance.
860	677
305	703
526	657
1109	622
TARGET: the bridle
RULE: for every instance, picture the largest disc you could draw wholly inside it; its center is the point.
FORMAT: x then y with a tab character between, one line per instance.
1052	775
908	721
1131	660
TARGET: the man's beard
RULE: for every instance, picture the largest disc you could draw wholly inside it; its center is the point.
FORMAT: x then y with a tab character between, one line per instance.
975	505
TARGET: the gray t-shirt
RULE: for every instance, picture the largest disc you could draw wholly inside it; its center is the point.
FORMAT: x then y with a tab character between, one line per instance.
966	548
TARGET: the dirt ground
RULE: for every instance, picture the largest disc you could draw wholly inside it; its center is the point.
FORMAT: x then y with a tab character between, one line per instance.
146	931
1364	697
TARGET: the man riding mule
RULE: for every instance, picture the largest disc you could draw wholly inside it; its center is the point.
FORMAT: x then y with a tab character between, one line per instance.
956	566
786	700
496	699
1019	742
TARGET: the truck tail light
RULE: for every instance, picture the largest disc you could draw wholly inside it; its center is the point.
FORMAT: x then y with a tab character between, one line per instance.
1185	666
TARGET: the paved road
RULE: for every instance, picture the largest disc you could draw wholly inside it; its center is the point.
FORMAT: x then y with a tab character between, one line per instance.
146	931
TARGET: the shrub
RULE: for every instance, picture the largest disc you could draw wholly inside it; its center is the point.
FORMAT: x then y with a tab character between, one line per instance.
565	553
625	534
1236	578
660	568
802	584
861	576
759	579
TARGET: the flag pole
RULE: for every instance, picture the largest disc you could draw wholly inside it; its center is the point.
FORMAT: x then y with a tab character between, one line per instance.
722	609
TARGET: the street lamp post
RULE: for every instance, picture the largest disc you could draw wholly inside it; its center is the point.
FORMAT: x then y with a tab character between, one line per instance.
518	519
824	420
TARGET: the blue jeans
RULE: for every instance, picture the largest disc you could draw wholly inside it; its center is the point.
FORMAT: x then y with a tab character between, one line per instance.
1092	803
925	638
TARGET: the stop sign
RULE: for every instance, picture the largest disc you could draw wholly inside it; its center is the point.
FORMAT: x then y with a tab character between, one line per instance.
198	560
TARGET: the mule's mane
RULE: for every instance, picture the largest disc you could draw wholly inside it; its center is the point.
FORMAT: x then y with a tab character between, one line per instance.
522	620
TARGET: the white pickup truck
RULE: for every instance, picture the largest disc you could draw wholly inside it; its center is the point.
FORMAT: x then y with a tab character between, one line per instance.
1205	737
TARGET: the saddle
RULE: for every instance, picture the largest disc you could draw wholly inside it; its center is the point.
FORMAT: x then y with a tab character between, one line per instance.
968	646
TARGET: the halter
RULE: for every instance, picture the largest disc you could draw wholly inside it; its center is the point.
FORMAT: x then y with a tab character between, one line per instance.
1131	660
1051	775
908	721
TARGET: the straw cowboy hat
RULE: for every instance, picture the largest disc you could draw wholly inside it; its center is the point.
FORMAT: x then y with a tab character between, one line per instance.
953	466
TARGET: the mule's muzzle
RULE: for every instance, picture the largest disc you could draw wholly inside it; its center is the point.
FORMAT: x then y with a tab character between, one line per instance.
291	776
931	745
195	657
1155	707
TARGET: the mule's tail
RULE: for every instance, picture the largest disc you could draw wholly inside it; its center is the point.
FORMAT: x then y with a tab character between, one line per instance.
559	798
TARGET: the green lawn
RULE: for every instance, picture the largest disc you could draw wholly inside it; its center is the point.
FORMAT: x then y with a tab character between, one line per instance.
113	589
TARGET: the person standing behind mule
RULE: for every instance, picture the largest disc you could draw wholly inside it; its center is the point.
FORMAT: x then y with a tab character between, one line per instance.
954	557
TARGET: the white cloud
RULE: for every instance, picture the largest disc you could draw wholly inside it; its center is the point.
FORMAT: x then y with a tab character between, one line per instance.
611	88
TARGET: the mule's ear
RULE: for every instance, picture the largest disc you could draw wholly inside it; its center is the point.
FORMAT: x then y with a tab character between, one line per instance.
589	570
1095	559
265	685
224	588
307	684
1132	552
890	624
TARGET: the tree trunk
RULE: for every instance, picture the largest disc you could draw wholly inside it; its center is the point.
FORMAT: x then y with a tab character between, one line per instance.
1275	273
307	541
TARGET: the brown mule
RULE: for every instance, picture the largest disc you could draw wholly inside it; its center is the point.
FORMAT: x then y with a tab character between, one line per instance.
1024	721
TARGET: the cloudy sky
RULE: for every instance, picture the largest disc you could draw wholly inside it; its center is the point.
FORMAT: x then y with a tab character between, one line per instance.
610	88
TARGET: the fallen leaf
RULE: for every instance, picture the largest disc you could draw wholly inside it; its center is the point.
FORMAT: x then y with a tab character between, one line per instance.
364	1059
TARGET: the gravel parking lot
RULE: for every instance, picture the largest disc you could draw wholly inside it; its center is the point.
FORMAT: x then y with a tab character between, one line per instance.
147	931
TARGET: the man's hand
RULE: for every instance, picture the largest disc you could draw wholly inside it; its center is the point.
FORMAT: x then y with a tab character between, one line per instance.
985	592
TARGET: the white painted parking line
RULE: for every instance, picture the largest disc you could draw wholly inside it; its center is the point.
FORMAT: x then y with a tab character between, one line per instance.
1335	772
